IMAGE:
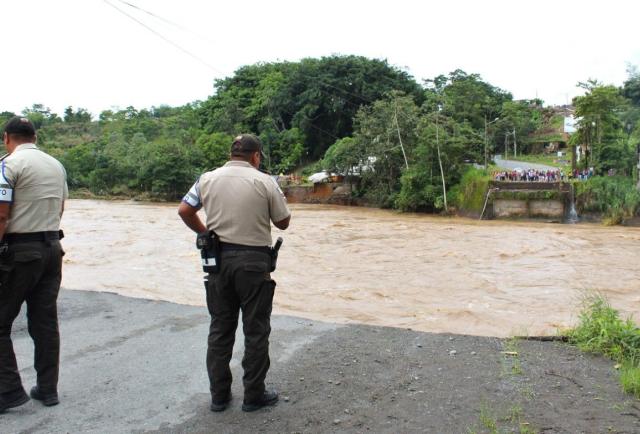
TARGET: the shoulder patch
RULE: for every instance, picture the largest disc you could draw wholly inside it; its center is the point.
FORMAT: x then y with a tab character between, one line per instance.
6	190
193	198
277	185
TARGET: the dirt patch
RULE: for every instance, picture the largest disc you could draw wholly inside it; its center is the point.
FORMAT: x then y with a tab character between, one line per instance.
373	379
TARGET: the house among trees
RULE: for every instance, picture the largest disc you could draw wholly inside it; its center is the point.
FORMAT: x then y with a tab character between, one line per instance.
551	136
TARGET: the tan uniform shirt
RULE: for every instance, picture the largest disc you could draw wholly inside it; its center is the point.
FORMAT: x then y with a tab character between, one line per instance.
239	202
35	184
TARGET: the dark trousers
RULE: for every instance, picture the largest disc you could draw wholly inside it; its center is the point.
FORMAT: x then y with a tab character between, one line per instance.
243	284
31	272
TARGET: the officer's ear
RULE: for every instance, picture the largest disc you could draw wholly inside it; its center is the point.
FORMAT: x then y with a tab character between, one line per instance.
255	159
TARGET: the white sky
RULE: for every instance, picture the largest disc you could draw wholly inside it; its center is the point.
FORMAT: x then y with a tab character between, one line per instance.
86	54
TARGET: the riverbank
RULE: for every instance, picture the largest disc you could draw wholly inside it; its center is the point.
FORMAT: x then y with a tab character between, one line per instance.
131	365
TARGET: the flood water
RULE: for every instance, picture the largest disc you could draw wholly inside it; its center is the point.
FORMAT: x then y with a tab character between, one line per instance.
358	265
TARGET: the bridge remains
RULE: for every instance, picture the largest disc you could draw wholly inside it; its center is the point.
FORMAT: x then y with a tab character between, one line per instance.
531	200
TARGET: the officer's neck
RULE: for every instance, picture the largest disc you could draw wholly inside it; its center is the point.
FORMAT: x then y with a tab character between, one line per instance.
12	145
251	162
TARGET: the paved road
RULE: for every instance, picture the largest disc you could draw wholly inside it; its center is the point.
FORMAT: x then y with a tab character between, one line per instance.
131	365
511	164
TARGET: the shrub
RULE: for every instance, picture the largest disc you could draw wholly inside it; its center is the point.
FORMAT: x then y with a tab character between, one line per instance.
615	197
602	331
472	190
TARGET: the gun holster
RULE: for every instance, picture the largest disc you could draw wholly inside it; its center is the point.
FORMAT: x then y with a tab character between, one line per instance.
209	245
274	253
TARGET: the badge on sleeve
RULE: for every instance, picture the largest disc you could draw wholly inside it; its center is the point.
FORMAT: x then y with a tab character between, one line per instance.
193	198
6	191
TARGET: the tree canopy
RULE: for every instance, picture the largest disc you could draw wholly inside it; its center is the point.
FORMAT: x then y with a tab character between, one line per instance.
409	144
300	109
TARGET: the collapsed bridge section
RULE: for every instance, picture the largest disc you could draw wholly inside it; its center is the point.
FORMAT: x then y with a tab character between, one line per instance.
536	200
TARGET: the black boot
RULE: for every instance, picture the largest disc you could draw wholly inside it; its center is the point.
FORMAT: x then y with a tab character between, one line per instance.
269	397
12	399
47	399
220	404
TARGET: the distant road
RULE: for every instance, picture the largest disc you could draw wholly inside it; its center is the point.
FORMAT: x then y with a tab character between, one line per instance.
512	164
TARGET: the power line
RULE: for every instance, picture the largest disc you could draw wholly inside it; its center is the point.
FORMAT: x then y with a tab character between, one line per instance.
165	20
167	40
203	61
194	56
321	81
172	23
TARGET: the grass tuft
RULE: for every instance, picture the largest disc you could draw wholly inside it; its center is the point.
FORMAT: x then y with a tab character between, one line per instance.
602	331
630	378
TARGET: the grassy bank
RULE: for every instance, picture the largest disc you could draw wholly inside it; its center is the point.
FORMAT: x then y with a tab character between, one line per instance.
615	197
470	194
602	331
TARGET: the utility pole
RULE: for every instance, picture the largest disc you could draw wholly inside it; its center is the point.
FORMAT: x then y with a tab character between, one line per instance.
485	141
406	162
486	124
506	145
444	186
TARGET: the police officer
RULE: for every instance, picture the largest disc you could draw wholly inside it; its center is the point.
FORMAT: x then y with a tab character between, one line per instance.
33	189
239	203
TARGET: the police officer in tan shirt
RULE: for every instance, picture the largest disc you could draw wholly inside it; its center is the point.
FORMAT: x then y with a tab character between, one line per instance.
33	189
239	203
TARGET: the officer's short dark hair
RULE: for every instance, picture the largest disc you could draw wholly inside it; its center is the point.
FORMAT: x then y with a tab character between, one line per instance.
246	144
20	128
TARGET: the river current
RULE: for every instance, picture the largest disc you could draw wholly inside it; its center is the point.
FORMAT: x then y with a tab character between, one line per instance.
360	265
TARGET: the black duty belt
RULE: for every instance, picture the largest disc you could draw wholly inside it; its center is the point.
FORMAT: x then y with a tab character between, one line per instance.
28	237
229	247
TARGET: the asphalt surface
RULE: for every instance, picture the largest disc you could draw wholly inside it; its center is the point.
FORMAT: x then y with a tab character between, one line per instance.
131	365
512	164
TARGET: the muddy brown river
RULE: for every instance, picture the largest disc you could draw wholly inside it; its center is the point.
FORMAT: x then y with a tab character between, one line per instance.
359	265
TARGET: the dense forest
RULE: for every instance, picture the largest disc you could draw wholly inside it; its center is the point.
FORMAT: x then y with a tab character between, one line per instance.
409	142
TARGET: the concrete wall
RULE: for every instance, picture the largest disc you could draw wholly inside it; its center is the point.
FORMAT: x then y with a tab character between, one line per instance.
509	208
546	208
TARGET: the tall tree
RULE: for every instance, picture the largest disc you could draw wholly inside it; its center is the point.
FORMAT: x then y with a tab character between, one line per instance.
386	137
318	98
600	128
466	98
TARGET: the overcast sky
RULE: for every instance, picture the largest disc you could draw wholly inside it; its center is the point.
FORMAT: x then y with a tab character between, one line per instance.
85	53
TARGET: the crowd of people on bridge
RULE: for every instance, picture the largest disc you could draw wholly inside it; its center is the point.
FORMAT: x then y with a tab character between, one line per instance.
584	174
529	175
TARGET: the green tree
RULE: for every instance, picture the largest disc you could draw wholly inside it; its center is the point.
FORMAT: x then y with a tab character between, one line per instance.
631	87
386	136
215	149
40	116
443	146
317	97
5	116
467	99
600	127
518	119
80	116
343	157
